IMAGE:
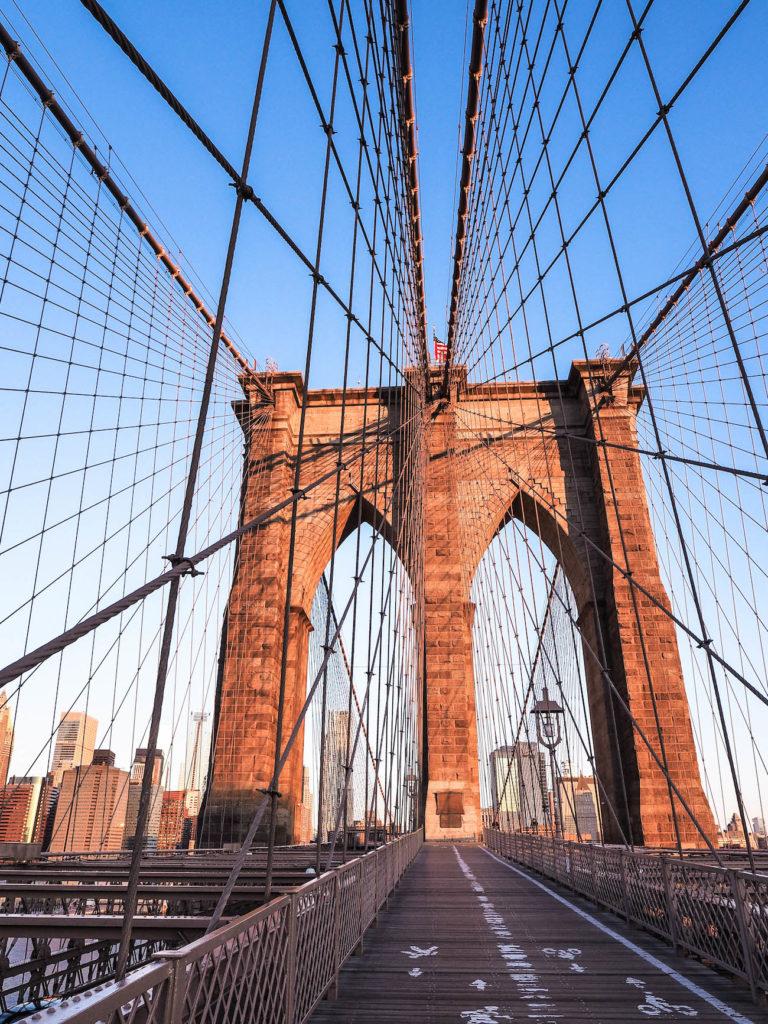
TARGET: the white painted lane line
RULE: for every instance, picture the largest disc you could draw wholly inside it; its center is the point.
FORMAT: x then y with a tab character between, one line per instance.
484	1015
537	997
649	958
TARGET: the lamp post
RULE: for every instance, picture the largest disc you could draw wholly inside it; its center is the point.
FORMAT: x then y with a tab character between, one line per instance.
549	733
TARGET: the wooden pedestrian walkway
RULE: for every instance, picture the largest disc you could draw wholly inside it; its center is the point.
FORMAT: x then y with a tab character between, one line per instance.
471	939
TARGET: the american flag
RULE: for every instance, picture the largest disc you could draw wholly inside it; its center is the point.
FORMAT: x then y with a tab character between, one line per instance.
441	351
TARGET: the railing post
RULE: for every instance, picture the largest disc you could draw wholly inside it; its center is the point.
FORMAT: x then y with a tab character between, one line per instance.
361	916
625	884
172	998
387	871
376	859
333	988
290	965
592	888
744	934
669	899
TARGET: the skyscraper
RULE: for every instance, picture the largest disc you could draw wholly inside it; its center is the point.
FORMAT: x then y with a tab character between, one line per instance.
519	785
192	776
90	812
6	737
75	742
19	803
334	772
134	796
194	769
304	810
578	800
173	816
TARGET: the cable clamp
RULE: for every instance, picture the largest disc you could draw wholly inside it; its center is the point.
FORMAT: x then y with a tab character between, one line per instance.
704	643
243	189
182	562
271	792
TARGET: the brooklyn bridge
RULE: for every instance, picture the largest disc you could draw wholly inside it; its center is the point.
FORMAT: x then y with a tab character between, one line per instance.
360	665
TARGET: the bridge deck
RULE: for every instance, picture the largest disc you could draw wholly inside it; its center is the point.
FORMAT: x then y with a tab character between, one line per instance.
469	939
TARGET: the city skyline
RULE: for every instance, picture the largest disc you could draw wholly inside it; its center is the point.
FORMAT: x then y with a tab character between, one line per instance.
87	803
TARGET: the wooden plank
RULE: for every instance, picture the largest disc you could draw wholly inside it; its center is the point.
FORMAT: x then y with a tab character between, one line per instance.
470	941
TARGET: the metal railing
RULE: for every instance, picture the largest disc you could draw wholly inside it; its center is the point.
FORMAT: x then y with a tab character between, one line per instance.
271	966
715	913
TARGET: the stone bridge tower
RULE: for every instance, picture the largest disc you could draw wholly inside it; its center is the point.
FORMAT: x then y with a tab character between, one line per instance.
527	450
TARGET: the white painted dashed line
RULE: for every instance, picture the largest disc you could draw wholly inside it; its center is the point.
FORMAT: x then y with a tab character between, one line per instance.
533	993
484	1015
649	958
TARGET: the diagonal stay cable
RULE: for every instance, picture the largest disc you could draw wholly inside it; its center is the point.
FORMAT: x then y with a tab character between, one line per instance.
240	183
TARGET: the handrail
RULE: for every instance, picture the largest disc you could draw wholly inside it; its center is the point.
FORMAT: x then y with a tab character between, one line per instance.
278	960
719	914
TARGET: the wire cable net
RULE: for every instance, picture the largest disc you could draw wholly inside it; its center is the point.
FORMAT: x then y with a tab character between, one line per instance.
157	486
324	608
103	357
555	204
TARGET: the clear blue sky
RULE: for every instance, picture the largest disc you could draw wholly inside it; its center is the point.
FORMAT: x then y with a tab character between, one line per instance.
207	52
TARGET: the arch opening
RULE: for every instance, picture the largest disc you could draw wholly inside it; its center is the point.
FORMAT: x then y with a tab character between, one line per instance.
361	744
537	769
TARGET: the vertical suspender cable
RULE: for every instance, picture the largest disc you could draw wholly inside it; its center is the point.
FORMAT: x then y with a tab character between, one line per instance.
177	557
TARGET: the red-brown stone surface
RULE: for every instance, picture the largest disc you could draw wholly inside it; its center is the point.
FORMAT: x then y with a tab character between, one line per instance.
491	452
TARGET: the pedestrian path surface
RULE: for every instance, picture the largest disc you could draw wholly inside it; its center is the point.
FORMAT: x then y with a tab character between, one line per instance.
471	939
